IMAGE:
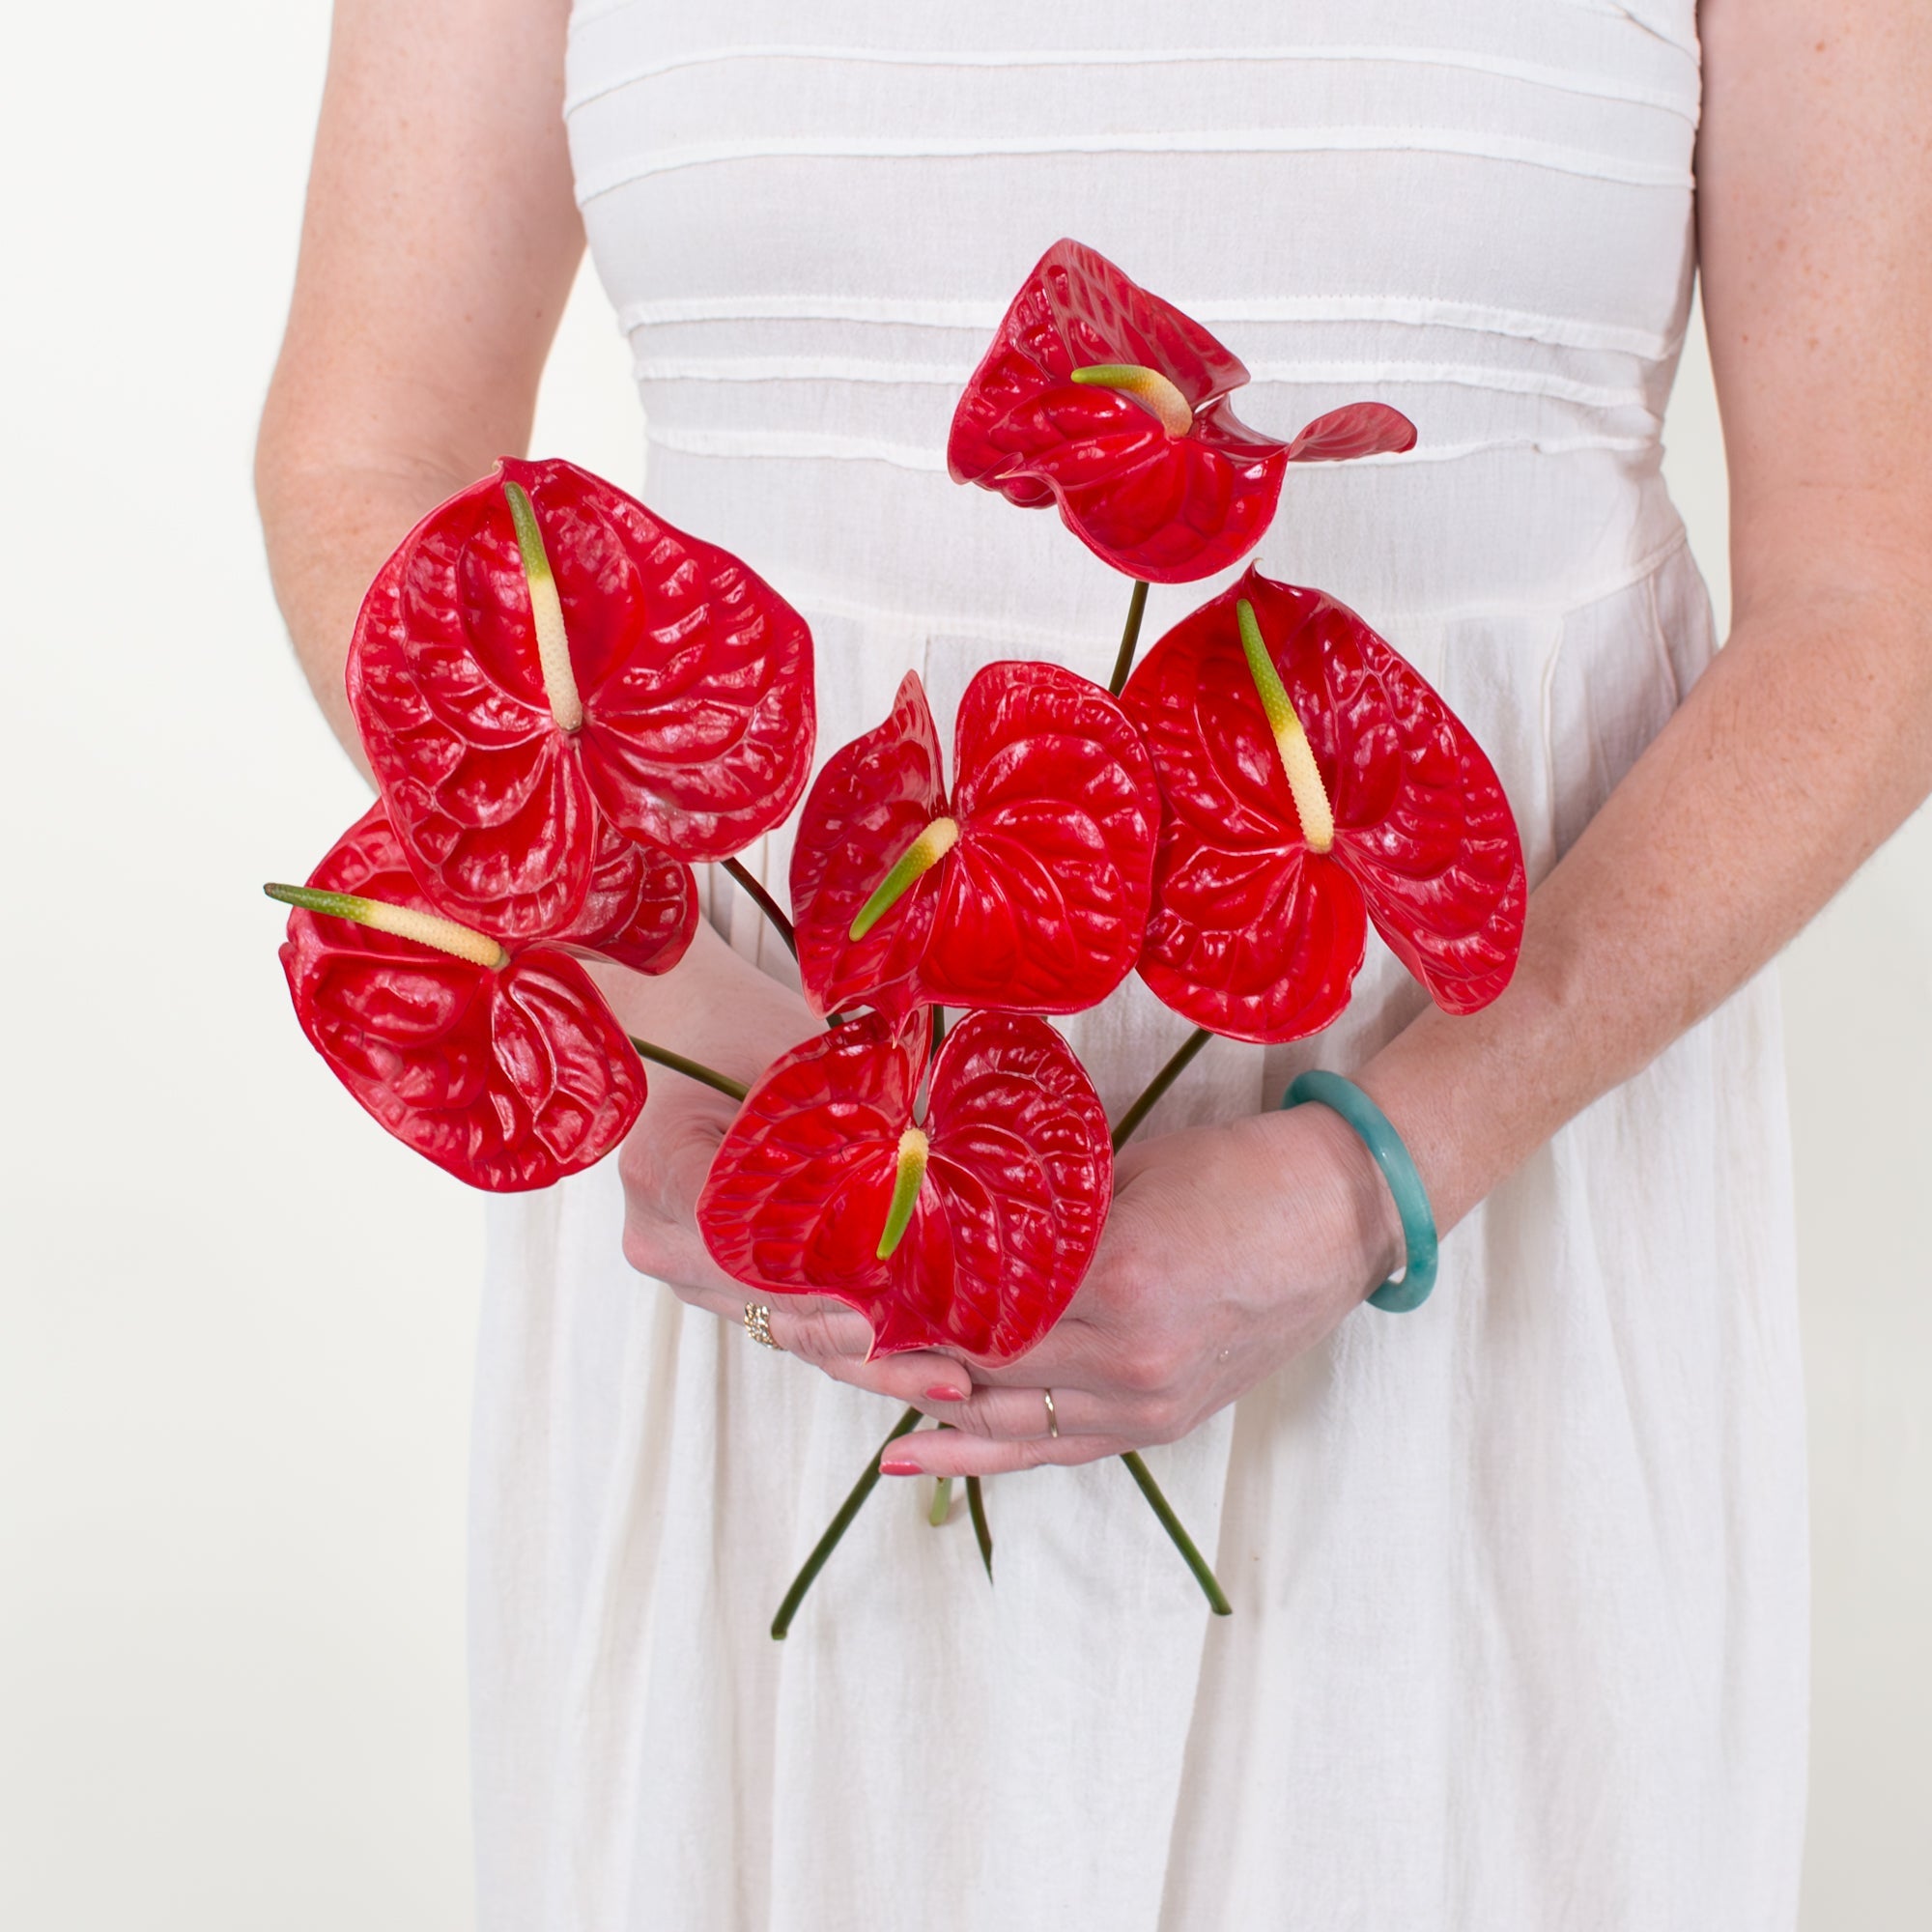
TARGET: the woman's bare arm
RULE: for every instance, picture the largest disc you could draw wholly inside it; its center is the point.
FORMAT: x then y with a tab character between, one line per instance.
437	249
1796	754
1809	739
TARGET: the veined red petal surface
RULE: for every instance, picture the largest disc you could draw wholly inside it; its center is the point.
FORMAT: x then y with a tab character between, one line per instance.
1356	429
642	907
492	811
508	1078
695	678
1042	903
1158	506
1019	1179
1253	934
873	799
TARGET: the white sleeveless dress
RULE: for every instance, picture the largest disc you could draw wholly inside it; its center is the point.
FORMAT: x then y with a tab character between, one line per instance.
1519	1580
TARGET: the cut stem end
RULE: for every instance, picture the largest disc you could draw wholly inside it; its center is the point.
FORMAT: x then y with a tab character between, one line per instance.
1210	1585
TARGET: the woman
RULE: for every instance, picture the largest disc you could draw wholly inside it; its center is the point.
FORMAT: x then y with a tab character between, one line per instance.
1519	1578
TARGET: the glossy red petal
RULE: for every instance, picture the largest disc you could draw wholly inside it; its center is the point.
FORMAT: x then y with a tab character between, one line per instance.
489	801
798	1192
1015	1194
1190	506
1357	429
1438	856
1043	902
1021	1176
1169	509
642	908
1259	946
697	675
508	1079
696	679
1424	837
873	799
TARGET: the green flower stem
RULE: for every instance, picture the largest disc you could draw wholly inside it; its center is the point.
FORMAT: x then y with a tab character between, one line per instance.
1210	1587
1129	638
942	1502
837	1528
691	1070
976	1503
1136	1468
765	903
976	1507
1158	1085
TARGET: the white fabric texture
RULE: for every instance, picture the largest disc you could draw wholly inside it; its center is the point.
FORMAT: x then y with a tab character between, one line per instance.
1519	1580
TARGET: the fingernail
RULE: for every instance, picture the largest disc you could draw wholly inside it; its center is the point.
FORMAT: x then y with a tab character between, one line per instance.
945	1392
899	1466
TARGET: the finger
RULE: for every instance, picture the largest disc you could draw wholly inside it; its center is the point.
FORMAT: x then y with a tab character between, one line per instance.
676	1255
730	1301
839	1340
935	1384
1066	1353
1022	1414
819	1331
949	1452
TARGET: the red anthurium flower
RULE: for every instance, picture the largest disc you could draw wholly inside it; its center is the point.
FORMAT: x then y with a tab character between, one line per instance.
1027	891
500	1063
543	654
1312	780
968	1228
1110	400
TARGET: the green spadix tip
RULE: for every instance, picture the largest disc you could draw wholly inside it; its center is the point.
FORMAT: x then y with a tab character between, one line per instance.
425	928
559	679
1291	741
1153	391
917	859
913	1151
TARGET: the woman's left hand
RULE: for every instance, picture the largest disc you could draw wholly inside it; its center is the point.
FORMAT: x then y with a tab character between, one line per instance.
1229	1251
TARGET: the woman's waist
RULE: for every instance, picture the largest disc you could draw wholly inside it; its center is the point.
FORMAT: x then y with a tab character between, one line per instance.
883	534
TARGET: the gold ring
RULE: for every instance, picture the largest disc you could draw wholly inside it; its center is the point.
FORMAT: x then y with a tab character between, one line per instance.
1051	1419
758	1326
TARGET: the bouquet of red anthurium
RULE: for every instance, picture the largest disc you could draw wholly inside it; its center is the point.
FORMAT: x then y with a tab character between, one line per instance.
567	704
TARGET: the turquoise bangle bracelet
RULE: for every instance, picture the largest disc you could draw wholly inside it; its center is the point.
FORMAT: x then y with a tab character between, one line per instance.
1411	1200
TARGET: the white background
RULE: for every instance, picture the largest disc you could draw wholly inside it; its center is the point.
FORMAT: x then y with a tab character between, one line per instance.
234	1319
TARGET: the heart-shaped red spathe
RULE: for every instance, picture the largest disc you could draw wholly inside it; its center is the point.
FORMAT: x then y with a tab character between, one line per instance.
1017	1183
1042	906
507	1078
695	678
1164	507
1253	934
